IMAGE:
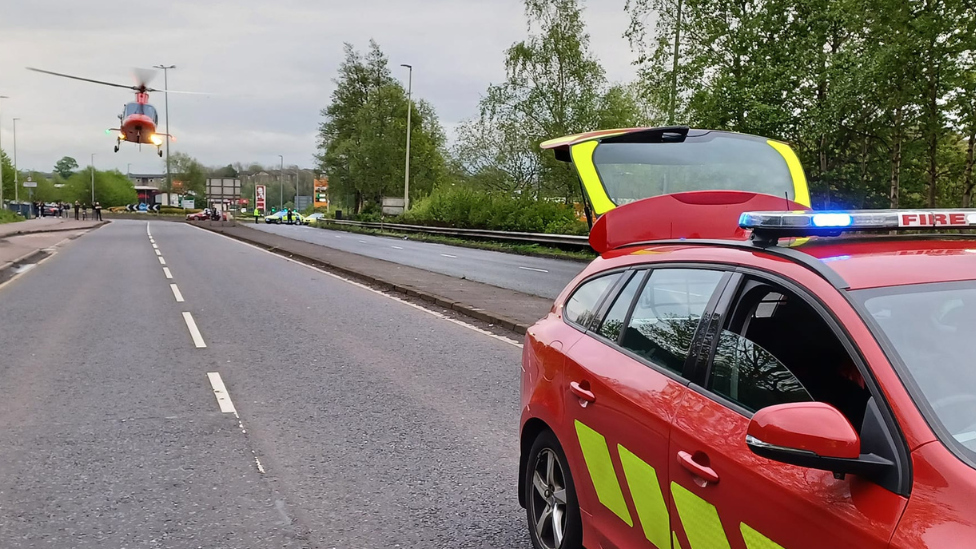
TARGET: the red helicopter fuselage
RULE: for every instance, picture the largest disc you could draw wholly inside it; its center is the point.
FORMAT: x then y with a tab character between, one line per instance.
139	120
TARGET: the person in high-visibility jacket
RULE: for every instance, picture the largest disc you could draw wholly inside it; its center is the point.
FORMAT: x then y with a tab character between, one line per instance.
257	215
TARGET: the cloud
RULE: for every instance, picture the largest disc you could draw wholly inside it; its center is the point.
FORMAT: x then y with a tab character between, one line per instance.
269	65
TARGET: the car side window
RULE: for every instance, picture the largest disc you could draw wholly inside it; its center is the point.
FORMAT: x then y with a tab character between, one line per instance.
776	349
751	376
582	305
666	315
613	323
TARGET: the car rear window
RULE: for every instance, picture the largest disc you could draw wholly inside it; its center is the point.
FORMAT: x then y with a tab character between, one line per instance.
707	161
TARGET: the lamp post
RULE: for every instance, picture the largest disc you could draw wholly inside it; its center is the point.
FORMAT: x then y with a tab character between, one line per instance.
16	190
406	174
674	67
2	97
169	180
93	179
281	183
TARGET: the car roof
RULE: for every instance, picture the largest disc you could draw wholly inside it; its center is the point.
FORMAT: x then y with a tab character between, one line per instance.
861	262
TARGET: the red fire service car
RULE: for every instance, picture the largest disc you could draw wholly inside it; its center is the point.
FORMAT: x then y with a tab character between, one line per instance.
736	371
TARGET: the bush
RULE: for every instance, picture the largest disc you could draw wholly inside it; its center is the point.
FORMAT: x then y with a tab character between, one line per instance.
7	216
468	209
177	210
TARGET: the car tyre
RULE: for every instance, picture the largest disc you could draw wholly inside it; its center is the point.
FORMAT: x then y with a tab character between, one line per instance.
551	507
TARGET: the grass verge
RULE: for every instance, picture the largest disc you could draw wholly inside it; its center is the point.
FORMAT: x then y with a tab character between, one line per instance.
7	216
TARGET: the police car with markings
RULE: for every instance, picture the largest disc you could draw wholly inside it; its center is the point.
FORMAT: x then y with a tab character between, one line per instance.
737	371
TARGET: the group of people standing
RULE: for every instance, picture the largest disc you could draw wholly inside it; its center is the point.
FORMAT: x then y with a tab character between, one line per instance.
63	209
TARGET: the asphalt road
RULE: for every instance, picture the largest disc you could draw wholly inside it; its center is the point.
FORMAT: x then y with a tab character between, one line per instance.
363	421
533	275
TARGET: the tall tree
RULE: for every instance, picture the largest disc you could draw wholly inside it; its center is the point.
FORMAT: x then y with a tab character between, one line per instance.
553	87
362	139
66	166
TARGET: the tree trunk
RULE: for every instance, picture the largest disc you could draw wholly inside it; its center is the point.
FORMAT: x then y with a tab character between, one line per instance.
933	146
967	179
896	159
864	168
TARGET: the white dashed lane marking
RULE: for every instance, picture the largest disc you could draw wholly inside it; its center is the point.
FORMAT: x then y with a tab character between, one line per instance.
161	260
176	293
531	269
167	272
449	255
194	331
220	391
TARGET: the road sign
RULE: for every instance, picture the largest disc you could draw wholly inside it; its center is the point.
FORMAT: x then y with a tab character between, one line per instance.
30	184
392	205
188	203
259	203
302	202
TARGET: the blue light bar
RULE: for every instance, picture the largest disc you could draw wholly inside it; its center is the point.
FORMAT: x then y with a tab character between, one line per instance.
832	220
799	224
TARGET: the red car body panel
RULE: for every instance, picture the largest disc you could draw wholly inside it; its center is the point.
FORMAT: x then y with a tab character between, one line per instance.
779	500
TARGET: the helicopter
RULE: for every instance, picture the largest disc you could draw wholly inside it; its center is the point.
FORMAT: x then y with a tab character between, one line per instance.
138	121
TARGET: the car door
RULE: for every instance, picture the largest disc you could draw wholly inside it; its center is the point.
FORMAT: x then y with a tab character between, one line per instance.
623	384
774	345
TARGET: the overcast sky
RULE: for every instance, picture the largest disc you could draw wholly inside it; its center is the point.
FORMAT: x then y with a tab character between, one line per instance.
269	64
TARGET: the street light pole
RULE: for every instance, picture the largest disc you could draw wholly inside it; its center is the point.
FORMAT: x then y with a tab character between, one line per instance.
406	174
169	179
2	97
93	179
16	190
281	183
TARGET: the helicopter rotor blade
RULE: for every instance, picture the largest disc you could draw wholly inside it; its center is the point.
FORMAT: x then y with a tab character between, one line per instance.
84	79
143	76
154	90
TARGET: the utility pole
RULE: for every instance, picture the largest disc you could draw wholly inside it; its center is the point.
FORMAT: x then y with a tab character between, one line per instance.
674	68
406	174
169	179
2	97
281	183
16	190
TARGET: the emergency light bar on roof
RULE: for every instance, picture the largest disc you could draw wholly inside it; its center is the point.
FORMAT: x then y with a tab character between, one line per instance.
774	225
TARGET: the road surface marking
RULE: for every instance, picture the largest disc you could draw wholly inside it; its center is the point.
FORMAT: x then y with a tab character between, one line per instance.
220	391
176	293
147	230
337	236
157	251
194	331
362	241
396	247
161	260
260	467
167	273
536	270
155	247
449	255
460	323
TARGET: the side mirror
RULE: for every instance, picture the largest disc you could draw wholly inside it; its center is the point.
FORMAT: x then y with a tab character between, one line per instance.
814	435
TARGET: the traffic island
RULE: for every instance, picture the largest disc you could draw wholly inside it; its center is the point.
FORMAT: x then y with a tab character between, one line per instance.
502	307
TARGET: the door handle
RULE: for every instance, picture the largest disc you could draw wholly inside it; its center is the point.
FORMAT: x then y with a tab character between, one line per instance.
583	394
701	471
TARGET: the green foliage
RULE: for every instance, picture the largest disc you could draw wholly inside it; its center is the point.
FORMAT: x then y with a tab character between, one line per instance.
553	87
8	177
112	188
471	209
875	95
190	172
7	216
66	167
362	140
